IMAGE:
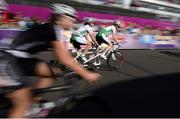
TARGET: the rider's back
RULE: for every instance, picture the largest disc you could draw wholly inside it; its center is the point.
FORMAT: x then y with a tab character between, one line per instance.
35	39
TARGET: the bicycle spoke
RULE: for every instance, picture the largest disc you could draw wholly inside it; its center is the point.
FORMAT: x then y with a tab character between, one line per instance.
115	60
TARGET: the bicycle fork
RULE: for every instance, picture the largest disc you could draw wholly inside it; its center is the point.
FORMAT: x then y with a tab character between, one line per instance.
112	55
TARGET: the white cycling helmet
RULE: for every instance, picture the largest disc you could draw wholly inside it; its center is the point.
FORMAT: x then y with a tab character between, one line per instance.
3	5
117	23
89	20
62	9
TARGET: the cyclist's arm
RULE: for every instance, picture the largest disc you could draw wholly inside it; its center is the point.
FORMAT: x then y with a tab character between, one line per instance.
64	57
93	38
91	34
88	38
114	36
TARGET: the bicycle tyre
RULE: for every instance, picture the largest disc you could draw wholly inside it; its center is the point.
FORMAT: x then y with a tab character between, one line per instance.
115	60
87	107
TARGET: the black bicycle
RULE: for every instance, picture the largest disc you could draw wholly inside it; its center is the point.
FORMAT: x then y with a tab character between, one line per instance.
71	92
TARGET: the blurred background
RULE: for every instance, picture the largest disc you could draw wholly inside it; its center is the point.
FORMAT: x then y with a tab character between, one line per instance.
148	24
147	84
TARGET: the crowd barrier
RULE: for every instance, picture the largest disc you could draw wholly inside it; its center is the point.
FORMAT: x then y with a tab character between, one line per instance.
130	41
44	12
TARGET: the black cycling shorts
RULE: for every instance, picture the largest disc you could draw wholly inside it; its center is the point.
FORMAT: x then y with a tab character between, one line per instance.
100	40
14	70
76	44
28	65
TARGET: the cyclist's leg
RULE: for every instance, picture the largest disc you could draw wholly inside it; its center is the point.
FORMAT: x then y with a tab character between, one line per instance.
22	100
98	39
77	46
45	74
88	46
38	68
83	41
107	41
11	76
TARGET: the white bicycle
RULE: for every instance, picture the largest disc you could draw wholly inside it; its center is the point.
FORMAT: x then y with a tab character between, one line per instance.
115	58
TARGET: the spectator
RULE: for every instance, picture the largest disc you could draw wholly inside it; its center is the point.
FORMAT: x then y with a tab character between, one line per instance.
22	23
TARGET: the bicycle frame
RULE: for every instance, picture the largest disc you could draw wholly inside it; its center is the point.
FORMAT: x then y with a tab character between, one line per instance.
99	52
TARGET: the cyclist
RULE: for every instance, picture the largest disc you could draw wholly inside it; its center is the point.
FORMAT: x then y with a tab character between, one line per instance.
84	36
17	61
106	34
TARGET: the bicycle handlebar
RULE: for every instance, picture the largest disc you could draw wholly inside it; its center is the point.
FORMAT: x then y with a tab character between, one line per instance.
118	44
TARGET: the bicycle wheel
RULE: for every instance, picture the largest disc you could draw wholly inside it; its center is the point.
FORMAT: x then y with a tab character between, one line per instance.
86	107
115	60
93	62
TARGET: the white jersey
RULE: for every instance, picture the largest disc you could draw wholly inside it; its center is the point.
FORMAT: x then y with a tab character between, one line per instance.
83	31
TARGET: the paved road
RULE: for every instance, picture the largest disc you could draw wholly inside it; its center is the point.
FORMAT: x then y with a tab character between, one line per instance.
147	85
139	64
144	63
